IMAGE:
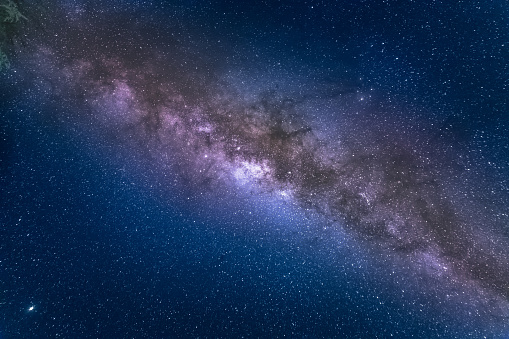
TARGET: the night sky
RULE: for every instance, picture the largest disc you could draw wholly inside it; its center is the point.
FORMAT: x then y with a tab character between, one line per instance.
229	169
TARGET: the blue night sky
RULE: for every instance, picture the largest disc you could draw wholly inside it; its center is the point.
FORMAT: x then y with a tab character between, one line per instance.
261	169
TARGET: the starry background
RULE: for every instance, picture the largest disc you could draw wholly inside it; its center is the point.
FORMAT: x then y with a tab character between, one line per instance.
256	169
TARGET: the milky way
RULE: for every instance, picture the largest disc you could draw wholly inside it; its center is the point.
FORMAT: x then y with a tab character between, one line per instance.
191	107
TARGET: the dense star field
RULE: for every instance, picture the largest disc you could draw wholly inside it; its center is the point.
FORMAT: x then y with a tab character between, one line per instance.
301	169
